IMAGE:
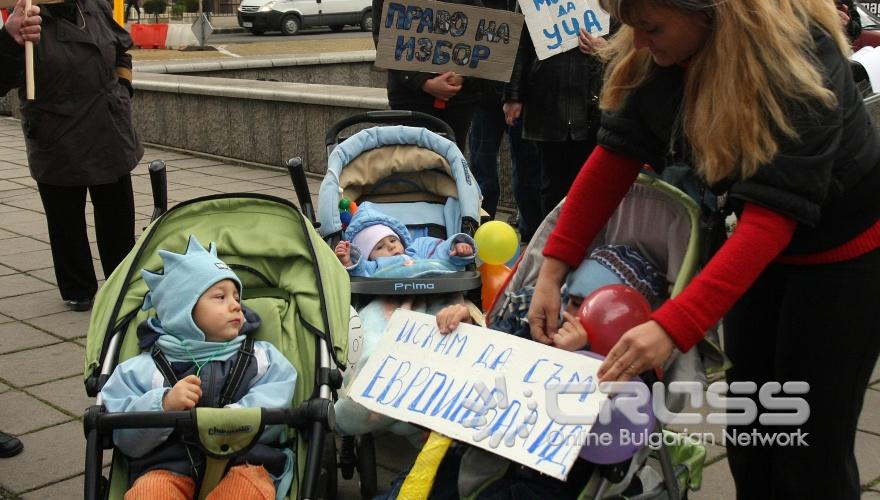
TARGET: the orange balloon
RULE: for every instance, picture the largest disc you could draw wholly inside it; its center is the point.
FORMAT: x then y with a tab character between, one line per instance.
493	278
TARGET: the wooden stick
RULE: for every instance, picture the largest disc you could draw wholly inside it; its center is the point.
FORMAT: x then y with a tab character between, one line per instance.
29	60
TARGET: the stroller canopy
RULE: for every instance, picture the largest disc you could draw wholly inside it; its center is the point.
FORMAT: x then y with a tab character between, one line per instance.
388	165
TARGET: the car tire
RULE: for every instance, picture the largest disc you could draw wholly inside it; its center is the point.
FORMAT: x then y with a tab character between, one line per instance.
290	24
337	28
367	21
257	32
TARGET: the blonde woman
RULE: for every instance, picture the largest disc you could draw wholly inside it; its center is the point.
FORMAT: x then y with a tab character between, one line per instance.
758	96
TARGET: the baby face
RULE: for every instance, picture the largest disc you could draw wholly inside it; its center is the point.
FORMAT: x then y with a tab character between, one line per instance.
218	312
388	246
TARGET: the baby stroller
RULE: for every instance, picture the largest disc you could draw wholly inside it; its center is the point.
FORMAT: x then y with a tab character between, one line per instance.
662	223
421	179
290	278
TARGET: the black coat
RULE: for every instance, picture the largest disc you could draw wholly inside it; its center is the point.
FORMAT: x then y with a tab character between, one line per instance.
78	130
560	94
827	179
405	87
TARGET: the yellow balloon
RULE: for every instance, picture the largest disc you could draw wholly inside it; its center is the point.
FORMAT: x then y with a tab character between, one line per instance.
496	242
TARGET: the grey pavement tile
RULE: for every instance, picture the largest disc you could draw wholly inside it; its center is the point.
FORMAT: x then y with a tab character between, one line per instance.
22	216
21	244
21	413
17	336
47	274
869	420
871	495
36	229
28	261
4	388
4	235
250	174
187	193
279	181
192	162
868	456
33	305
238	186
32	203
17	284
69	394
8	185
5	319
36	366
67	324
41	463
717	483
875	375
6	271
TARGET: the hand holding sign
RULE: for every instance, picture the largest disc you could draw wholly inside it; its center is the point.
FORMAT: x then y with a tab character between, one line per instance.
444	86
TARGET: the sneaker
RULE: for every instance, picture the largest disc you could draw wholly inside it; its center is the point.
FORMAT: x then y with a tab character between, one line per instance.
9	445
79	304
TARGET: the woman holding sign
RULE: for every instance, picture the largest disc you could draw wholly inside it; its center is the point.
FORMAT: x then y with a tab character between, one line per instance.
759	95
80	138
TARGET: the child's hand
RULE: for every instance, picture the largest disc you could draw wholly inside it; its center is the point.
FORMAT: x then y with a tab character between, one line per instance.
449	317
184	395
343	253
461	250
571	336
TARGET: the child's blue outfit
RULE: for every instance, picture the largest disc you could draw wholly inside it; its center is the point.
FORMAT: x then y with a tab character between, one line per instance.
139	385
369	219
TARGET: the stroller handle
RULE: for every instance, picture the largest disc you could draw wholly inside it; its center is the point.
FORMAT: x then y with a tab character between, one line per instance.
99	426
391	116
159	186
297	173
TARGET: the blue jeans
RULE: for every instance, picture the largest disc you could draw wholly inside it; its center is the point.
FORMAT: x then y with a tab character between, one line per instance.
484	141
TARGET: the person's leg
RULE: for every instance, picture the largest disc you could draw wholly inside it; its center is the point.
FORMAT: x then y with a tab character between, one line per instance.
828	337
484	140
244	481
750	343
65	208
162	484
114	221
525	174
459	118
560	164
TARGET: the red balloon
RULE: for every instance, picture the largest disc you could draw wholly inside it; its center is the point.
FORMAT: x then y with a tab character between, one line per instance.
493	278
609	312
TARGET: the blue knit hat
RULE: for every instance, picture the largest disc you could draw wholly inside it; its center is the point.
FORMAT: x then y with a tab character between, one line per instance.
184	279
616	264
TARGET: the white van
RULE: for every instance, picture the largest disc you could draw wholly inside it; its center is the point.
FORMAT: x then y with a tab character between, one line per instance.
289	16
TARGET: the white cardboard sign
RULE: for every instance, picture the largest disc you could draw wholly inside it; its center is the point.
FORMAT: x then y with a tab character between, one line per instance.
483	387
554	25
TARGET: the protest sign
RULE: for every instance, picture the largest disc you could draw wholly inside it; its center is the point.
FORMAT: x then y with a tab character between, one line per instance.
507	395
554	25
435	37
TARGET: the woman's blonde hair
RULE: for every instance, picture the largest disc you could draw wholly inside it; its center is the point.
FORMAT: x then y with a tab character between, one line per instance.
757	56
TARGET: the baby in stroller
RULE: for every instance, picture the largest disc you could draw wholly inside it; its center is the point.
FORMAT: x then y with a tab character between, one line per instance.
196	353
375	241
606	265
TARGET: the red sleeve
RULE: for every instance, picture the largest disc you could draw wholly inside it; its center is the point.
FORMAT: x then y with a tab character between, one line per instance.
760	237
602	182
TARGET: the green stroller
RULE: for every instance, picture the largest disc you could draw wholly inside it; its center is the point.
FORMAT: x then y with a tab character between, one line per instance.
290	278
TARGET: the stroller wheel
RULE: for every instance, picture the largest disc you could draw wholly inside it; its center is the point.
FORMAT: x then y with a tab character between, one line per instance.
347	457
366	465
328	480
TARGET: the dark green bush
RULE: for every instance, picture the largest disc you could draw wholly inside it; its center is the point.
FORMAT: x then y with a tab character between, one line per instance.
191	5
155	7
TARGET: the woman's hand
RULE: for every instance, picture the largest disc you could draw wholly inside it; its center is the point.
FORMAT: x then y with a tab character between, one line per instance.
641	348
512	112
24	27
450	317
185	394
571	336
588	44
444	86
545	306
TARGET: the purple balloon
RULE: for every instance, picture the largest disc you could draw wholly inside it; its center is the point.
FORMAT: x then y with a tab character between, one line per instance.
626	437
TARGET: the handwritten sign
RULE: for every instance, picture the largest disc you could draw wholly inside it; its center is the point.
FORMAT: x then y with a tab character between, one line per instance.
435	37
504	394
554	25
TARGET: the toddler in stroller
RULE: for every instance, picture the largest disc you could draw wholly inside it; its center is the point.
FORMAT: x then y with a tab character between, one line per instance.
376	243
194	349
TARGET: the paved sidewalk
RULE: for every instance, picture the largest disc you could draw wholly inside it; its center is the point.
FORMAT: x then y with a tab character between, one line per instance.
42	343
